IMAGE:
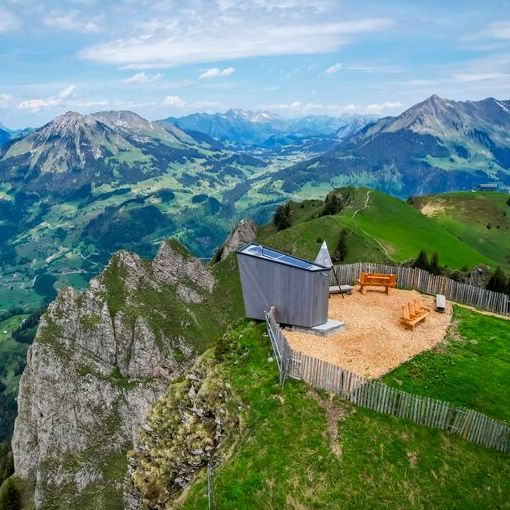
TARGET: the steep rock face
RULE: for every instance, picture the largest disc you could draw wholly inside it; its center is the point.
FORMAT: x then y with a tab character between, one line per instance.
99	360
169	266
243	233
184	432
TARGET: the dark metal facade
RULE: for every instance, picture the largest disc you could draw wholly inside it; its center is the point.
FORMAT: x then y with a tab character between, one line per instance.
299	294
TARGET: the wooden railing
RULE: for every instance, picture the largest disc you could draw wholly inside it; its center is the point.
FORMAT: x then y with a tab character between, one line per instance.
423	281
382	398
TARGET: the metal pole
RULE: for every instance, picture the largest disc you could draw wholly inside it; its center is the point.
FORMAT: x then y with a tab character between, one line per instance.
337	281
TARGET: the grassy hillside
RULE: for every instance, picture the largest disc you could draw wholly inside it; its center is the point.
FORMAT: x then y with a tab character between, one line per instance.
481	220
301	449
73	239
383	228
471	369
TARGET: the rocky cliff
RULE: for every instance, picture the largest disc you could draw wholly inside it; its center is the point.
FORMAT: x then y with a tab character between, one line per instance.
244	232
99	361
185	431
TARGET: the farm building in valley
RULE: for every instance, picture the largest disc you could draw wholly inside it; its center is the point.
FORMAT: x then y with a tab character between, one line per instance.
297	288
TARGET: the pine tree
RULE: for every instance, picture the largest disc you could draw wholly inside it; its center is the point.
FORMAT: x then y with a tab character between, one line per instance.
498	281
341	249
281	218
422	261
434	264
333	204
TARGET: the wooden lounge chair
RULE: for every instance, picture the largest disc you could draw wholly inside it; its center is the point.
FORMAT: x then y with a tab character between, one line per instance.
413	313
420	307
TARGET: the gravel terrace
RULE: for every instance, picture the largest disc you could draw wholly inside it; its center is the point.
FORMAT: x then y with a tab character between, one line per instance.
374	342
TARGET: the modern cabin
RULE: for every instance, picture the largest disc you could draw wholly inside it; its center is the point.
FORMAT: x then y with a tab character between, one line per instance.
297	288
491	186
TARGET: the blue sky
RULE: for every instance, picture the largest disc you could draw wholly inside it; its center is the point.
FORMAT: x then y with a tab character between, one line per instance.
293	57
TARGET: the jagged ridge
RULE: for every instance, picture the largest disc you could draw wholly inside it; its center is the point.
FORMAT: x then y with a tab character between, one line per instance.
99	360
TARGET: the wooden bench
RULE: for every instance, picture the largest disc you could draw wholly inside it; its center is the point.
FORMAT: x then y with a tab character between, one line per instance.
340	289
377	280
413	313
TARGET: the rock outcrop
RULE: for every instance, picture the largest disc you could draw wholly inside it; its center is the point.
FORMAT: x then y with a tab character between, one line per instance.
244	232
184	432
99	361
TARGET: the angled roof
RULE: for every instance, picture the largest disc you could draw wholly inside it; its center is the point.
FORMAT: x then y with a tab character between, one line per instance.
323	257
278	257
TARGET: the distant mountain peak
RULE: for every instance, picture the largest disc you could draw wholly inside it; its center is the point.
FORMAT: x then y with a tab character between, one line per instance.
71	113
74	150
123	119
266	129
251	116
435	98
68	123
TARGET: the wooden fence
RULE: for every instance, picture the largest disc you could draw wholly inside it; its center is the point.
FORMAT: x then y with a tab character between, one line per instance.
379	397
423	281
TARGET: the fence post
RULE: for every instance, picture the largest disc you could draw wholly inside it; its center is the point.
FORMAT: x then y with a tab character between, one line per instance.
211	503
285	364
279	345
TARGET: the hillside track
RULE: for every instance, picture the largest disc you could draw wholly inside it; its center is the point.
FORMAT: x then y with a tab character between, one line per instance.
383	248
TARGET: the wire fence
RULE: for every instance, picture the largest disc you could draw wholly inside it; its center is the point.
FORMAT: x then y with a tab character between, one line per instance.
423	281
382	398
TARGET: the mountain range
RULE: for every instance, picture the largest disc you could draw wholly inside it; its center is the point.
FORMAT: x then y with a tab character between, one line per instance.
83	186
268	130
437	145
83	150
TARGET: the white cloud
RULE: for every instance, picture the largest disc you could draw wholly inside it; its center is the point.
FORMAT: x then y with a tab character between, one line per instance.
194	106
36	104
65	98
174	101
310	108
499	30
101	103
376	69
72	21
205	105
380	107
66	92
240	34
215	72
333	69
141	78
468	77
5	99
8	21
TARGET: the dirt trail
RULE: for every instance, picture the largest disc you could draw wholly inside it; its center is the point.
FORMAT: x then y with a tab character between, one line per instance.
334	413
365	206
383	248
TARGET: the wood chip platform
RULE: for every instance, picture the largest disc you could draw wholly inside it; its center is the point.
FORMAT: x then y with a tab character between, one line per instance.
374	342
